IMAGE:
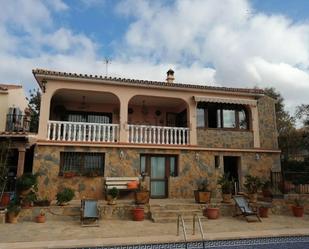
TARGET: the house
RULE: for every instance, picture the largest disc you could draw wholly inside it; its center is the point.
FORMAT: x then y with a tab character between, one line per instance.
14	126
175	133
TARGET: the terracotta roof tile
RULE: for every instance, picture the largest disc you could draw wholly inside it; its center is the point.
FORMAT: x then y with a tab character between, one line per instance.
145	82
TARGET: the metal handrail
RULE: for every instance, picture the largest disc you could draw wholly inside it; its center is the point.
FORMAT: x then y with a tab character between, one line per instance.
180	219
195	216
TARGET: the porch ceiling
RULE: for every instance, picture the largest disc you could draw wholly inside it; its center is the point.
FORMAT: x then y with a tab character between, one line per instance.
156	101
64	96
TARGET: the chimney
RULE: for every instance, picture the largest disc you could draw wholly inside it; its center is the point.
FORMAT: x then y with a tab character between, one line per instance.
170	76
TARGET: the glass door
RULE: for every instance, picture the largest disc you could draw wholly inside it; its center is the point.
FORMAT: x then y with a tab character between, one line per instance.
158	179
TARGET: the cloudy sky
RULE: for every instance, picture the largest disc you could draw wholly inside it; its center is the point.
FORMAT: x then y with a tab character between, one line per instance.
236	43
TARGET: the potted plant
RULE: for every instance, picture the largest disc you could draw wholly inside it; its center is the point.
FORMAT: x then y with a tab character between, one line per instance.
211	211
69	174
252	184
138	213
41	218
13	211
226	188
298	208
202	194
142	193
64	196
5	199
26	183
112	196
266	189
42	202
263	209
28	200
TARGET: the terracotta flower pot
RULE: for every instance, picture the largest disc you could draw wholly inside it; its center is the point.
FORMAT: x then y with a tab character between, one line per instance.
5	200
202	196
211	213
69	174
138	214
298	211
226	198
12	218
40	219
263	212
132	185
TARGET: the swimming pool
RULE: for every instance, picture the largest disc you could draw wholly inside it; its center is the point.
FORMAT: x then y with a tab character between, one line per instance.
297	242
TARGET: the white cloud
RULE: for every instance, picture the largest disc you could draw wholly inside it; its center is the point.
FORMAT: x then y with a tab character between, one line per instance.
204	41
244	50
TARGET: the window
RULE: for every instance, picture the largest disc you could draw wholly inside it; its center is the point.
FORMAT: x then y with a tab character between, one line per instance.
170	162
229	116
217	162
82	163
91	117
200	112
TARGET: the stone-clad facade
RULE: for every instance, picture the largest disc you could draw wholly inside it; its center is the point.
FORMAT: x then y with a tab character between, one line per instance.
193	165
267	123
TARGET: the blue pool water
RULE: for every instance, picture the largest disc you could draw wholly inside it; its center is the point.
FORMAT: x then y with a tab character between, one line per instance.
298	242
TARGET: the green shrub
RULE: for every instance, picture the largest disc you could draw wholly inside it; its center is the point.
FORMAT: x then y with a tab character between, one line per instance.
27	181
226	184
65	195
253	184
14	206
202	185
113	192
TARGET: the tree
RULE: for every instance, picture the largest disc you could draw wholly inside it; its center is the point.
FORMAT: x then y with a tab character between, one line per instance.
302	112
34	106
285	122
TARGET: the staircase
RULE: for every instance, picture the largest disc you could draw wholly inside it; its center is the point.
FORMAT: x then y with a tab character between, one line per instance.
168	212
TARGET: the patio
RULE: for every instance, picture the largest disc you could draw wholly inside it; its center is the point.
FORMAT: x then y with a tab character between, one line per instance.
69	233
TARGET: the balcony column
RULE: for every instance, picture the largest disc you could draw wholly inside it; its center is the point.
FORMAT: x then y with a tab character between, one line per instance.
21	161
123	120
44	115
192	122
255	126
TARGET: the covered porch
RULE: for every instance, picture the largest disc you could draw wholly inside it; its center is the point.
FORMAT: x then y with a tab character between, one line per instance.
89	116
83	116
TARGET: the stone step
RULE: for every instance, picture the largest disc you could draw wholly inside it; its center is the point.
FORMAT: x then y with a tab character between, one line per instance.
175	213
177	207
187	219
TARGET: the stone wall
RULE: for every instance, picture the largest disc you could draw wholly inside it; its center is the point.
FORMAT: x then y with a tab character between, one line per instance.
267	123
220	138
217	138
193	165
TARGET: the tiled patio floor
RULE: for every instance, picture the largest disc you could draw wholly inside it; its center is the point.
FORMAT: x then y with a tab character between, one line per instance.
53	234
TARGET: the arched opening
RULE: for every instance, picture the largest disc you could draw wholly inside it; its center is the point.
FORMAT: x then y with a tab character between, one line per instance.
158	120
77	115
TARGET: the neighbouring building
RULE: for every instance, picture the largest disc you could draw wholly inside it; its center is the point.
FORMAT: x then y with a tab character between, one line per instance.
14	126
176	133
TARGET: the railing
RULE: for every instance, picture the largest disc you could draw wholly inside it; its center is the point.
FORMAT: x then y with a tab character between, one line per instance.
85	132
180	221
158	135
17	122
291	182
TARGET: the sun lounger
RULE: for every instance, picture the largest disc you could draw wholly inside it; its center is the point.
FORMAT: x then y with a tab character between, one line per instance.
242	205
89	213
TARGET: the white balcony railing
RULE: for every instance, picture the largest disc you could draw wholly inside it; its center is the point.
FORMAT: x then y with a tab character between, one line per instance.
158	135
85	132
